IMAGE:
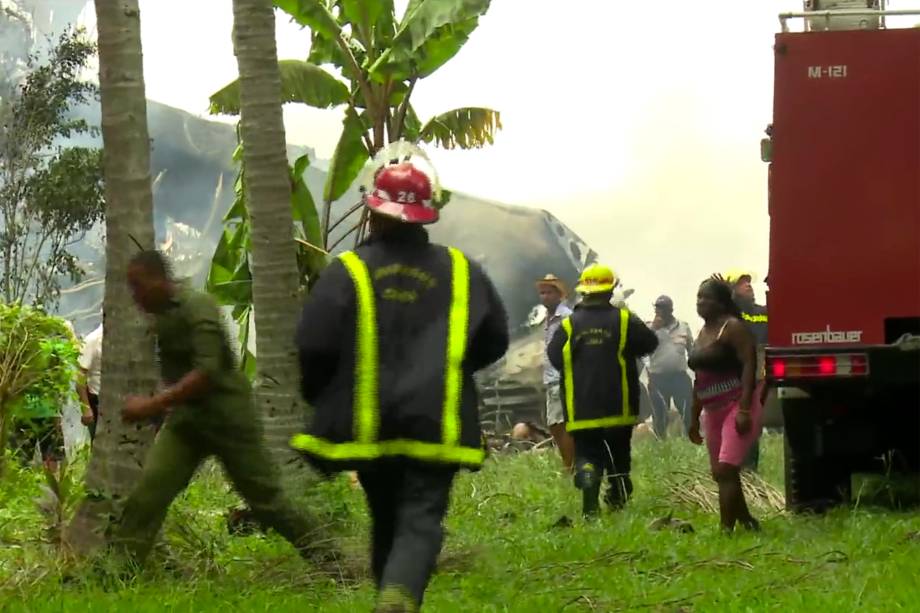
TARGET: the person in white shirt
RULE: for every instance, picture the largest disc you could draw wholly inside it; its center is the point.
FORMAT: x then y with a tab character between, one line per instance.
552	293
667	372
91	368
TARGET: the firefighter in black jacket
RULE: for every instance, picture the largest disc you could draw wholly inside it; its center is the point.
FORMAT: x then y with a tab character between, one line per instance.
595	350
389	339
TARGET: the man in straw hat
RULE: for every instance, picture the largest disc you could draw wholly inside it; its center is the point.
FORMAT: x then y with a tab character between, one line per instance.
552	294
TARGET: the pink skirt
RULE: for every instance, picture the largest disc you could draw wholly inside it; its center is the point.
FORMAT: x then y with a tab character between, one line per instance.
725	445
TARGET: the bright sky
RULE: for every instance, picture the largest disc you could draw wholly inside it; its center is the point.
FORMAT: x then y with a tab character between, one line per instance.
638	128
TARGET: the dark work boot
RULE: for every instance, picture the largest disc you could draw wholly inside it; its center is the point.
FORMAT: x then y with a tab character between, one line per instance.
395	599
589	501
588	481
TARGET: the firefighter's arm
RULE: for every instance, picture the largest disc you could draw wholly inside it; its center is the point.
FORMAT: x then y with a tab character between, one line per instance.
640	339
554	349
322	320
491	339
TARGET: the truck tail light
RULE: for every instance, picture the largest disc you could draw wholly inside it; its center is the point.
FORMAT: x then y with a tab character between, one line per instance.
818	366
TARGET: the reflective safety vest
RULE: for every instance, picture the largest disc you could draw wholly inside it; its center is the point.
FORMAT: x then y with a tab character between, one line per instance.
366	443
576	419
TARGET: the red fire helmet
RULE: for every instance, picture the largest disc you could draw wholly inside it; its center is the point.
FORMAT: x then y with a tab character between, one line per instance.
403	192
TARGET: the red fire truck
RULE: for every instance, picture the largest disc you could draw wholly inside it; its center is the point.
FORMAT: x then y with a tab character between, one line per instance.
844	277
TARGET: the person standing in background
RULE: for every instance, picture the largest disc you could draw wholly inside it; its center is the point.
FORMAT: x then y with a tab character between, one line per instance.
667	371
90	363
552	294
754	317
725	362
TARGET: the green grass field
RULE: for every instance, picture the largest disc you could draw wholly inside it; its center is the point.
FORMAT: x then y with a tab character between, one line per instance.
504	551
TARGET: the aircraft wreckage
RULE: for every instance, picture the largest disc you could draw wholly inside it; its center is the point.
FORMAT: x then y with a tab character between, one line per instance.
193	179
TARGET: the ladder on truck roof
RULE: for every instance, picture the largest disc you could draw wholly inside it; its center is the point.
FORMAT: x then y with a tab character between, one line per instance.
871	17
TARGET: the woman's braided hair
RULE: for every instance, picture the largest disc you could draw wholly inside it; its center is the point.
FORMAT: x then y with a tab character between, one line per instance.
723	292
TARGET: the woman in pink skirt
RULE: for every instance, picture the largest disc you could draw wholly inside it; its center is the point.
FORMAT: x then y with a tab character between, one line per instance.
724	358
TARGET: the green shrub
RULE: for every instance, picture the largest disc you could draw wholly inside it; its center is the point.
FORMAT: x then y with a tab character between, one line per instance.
38	365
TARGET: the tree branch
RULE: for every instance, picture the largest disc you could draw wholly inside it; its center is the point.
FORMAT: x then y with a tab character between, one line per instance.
401	113
346	215
363	84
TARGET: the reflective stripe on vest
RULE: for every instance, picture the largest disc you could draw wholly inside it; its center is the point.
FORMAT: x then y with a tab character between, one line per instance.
626	417
755	319
366	399
366	409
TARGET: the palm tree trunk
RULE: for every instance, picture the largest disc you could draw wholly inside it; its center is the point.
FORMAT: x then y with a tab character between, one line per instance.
275	284
127	356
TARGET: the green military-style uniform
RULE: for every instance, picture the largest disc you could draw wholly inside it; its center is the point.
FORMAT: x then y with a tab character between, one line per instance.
223	422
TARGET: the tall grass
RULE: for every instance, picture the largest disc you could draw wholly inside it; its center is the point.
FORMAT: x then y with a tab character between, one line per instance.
506	550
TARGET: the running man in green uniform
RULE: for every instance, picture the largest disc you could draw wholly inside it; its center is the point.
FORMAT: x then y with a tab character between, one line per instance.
209	411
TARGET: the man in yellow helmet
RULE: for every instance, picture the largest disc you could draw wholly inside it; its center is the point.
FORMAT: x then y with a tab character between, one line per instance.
596	350
755	319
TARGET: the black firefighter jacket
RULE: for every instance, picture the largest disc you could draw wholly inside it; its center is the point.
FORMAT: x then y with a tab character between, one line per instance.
595	351
389	339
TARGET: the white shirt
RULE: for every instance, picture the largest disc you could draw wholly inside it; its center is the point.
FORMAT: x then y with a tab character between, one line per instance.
91	359
550	325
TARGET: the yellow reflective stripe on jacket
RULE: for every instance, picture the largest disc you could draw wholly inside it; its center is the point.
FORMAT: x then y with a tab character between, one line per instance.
755	319
626	417
621	356
430	452
457	322
568	372
602	422
366	397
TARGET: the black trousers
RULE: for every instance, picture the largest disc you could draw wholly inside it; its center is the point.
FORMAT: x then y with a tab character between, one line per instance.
665	387
94	409
408	502
609	451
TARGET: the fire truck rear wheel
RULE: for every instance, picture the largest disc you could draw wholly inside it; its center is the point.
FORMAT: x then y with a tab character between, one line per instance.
812	481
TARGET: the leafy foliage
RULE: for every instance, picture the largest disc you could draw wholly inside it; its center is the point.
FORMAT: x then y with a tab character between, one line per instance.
382	58
50	195
230	279
462	128
301	82
430	33
349	158
38	363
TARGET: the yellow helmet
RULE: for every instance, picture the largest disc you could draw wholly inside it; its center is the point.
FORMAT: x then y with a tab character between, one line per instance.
596	279
734	275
